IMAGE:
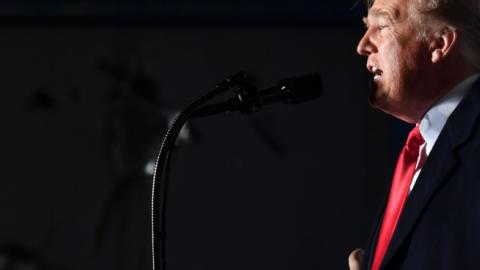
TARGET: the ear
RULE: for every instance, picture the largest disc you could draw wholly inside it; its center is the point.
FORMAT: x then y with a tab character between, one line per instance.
442	44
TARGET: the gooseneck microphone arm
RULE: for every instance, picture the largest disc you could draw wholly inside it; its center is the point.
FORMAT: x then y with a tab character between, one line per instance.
158	217
246	100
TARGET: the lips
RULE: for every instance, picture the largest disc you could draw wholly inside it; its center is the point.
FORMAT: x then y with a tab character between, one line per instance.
376	71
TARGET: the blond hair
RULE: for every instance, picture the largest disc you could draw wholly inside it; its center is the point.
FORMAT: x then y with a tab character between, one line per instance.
462	15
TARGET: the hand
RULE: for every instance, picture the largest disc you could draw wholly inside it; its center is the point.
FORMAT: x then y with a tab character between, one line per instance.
355	259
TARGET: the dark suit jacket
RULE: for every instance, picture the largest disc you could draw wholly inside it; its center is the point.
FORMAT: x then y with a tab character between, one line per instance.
440	225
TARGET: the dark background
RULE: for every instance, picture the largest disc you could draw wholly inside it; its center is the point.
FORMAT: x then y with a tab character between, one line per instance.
88	88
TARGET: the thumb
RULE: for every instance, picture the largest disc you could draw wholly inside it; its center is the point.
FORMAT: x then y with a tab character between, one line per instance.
355	259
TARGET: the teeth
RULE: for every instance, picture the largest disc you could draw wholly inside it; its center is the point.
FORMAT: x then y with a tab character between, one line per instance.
377	72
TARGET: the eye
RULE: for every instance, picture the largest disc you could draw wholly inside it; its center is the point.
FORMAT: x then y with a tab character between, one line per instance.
382	26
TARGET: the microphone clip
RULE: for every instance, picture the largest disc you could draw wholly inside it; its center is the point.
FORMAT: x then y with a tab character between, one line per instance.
247	97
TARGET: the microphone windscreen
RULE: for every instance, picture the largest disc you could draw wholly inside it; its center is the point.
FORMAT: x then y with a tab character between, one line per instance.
302	88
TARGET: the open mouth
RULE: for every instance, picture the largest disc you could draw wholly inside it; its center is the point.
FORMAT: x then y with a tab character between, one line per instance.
377	73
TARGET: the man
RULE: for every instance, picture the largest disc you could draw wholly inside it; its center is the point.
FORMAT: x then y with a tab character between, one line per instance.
424	56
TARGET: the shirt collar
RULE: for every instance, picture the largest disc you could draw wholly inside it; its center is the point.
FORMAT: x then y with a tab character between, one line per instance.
432	123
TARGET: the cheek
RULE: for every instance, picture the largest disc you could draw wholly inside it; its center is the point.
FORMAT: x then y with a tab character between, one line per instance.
392	64
393	55
398	63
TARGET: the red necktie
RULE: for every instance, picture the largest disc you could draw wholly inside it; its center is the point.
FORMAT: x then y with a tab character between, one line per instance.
402	179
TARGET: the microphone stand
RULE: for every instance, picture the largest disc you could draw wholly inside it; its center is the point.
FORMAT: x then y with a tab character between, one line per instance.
247	100
168	144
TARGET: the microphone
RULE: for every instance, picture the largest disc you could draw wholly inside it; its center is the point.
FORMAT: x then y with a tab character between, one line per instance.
248	100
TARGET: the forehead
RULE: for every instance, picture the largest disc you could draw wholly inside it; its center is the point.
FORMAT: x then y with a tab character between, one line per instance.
392	9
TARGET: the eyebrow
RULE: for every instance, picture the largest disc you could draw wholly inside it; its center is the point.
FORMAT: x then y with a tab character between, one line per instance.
390	14
365	21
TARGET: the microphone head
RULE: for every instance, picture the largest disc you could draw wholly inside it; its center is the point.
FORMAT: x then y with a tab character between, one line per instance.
302	88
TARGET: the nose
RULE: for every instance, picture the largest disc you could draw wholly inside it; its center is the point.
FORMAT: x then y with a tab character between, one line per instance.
365	46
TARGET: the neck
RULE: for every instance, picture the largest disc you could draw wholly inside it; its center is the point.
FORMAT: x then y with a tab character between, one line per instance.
446	79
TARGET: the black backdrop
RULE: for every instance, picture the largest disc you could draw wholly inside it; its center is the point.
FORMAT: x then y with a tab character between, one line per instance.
287	188
212	10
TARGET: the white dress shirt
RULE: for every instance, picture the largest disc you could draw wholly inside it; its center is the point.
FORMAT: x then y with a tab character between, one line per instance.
432	123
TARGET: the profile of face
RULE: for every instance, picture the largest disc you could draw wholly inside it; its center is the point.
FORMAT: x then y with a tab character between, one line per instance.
399	61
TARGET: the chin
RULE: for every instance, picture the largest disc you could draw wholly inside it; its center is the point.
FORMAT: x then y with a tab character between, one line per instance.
376	98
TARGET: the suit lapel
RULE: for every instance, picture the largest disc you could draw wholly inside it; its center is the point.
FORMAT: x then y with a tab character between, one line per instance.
372	240
435	171
440	163
373	236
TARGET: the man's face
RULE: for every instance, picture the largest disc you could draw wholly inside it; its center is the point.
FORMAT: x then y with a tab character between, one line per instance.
398	60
